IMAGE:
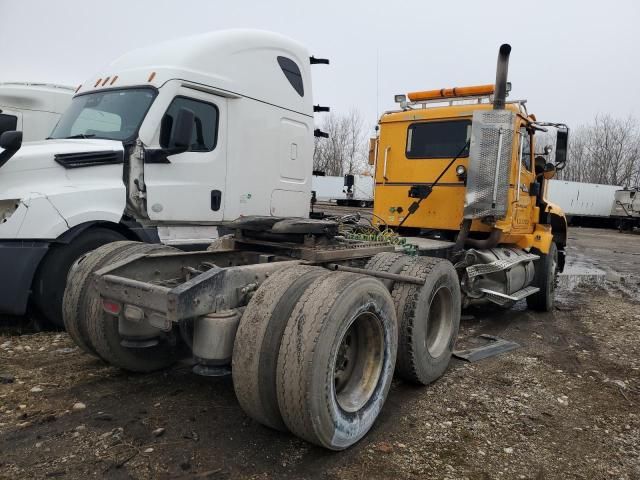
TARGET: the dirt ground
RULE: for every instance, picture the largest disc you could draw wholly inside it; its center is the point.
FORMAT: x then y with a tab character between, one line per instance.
564	405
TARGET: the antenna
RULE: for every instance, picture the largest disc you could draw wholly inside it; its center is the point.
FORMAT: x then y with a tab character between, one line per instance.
377	83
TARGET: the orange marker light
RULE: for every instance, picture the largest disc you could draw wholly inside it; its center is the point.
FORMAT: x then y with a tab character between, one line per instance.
471	91
114	80
152	76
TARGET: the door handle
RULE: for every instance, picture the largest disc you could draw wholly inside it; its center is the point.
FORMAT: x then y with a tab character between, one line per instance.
216	200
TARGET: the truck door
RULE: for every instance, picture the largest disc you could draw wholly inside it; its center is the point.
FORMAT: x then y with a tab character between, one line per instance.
524	178
190	188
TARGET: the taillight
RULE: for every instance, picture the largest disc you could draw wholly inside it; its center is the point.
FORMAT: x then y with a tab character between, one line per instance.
111	307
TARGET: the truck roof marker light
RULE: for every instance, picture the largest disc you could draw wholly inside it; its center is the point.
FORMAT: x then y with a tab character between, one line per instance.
152	76
97	82
111	307
470	91
113	80
105	81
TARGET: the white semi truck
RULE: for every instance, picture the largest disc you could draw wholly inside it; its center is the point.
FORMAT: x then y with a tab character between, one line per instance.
626	208
32	108
116	168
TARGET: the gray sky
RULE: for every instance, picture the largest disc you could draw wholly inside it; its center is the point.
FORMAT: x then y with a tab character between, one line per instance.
570	59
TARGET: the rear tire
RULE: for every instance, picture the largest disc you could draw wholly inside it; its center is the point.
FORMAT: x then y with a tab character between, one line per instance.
336	360
546	276
104	336
51	278
388	262
79	288
257	342
429	319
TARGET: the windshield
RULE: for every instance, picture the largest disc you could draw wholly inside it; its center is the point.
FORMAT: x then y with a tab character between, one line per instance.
112	114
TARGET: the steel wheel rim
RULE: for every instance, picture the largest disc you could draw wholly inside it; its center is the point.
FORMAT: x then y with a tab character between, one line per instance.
358	362
439	322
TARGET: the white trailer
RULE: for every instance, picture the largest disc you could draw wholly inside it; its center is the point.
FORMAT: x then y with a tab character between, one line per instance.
583	203
32	108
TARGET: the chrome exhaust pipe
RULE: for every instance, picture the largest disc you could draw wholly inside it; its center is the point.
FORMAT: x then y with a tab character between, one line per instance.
500	94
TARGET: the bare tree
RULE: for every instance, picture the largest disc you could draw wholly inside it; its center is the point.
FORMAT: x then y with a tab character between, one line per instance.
606	151
345	151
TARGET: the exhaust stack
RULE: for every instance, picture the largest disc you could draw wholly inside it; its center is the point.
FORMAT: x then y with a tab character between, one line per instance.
502	70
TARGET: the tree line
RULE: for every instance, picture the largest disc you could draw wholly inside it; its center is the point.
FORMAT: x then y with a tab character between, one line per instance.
605	151
346	149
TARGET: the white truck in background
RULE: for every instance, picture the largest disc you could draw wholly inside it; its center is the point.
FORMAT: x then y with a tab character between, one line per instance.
154	148
626	208
32	108
584	204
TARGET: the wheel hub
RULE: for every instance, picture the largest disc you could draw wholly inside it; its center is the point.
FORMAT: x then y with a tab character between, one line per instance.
358	362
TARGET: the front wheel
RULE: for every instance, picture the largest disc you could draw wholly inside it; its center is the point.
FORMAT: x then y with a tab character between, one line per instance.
546	275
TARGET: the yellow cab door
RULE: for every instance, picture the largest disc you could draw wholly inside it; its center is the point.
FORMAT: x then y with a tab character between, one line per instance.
522	219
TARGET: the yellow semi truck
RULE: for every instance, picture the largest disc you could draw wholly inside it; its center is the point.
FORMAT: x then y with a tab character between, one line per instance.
460	164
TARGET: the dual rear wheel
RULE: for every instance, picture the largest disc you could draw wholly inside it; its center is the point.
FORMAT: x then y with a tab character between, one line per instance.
96	332
315	351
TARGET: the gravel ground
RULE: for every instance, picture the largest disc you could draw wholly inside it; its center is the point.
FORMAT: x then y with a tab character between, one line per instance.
564	405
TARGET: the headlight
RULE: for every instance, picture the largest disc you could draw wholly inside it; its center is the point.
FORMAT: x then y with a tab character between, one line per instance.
460	170
7	207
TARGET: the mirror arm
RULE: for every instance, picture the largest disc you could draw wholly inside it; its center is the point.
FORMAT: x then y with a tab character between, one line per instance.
161	155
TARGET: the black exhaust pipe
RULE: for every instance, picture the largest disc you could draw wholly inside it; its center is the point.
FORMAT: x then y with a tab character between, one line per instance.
500	95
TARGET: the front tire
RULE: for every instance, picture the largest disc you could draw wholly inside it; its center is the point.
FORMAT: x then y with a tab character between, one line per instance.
546	276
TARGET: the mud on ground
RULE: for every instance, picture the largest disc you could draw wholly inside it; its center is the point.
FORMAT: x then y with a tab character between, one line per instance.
564	405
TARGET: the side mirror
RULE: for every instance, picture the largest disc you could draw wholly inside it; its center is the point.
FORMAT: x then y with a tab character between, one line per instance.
562	146
373	142
180	139
11	140
549	171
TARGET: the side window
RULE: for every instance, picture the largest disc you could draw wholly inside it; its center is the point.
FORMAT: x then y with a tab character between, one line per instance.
205	124
8	122
443	139
526	148
293	74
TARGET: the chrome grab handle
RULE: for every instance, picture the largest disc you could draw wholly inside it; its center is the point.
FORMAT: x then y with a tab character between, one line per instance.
386	156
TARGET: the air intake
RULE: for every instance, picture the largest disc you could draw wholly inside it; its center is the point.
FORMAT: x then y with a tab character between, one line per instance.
88	159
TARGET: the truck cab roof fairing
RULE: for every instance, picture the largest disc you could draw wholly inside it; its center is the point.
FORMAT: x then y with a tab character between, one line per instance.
241	62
